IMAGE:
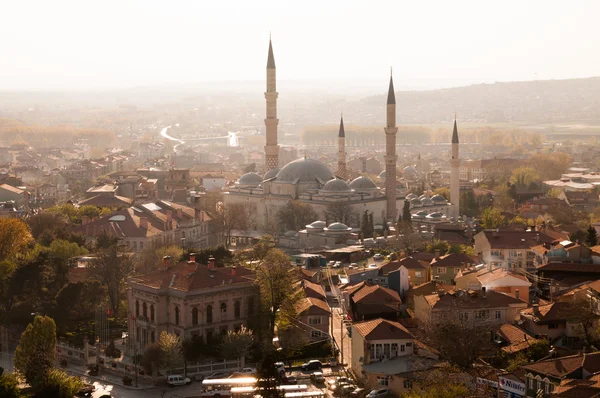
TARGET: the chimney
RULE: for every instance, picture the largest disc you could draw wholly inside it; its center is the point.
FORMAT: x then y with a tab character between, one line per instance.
85	220
144	222
483	290
517	295
193	257
233	271
536	309
167	261
537	237
211	262
437	254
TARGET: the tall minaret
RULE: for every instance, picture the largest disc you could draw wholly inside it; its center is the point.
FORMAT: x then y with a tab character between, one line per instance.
454	175
341	170
390	154
271	122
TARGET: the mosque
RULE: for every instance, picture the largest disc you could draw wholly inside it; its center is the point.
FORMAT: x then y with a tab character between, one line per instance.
311	182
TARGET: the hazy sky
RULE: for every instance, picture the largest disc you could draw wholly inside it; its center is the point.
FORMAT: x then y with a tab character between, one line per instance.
110	44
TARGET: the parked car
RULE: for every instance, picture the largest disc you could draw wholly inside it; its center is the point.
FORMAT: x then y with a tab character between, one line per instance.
337	264
216	375
280	366
86	391
331	263
178	380
381	392
372	265
290	380
317	377
248	371
337	380
378	257
358	393
345	390
336	387
313	364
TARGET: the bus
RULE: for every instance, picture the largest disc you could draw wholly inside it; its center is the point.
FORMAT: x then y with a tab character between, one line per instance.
305	394
251	392
223	387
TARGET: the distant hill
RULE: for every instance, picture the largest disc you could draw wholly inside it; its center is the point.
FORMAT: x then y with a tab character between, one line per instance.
545	101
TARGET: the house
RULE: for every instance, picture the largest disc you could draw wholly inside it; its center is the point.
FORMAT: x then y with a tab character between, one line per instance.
494	278
548	374
314	317
446	268
424	289
418	273
512	339
580	200
368	301
563	251
473	306
9	193
312	290
509	248
386	355
190	299
107	201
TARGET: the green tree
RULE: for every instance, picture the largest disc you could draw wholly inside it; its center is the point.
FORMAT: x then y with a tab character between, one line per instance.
60	385
36	352
525	176
236	344
171	350
112	268
591	238
492	218
406	216
64	250
443	191
9	386
437	244
75	305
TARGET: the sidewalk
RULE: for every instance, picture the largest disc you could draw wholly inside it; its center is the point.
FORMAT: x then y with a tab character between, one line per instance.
109	377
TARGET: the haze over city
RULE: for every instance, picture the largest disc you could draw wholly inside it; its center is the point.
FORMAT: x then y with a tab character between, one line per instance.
332	199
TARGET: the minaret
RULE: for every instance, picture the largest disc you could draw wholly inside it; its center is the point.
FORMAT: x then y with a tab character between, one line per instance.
271	122
341	170
390	154
454	175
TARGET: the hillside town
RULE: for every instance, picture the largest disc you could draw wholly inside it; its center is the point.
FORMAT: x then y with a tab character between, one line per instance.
304	259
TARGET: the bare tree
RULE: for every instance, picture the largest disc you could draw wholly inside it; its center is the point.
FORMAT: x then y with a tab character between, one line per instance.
112	268
295	215
234	216
340	212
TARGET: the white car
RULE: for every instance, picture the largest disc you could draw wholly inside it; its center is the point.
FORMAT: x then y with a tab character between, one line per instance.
331	263
178	380
372	266
337	264
382	392
378	257
280	366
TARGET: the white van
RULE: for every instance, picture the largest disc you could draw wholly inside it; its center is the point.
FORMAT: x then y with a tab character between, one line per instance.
178	380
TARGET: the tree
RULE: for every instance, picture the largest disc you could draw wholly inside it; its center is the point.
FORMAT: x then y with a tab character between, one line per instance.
36	352
235	216
60	385
171	350
406	216
275	277
443	191
236	344
525	176
295	215
250	168
112	268
340	212
7	269
75	306
14	238
152	256
592	237
151	359
492	218
9	386
438	245
47	226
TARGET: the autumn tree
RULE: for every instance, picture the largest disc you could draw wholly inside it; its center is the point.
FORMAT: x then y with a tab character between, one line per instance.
9	386
340	212
236	344
14	238
171	350
112	268
295	215
525	176
443	191
152	256
47	226
550	166
36	352
492	218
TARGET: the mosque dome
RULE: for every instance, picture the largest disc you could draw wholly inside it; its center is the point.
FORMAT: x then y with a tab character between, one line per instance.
435	215
317	225
290	234
409	170
250	179
422	197
271	173
382	175
421	214
361	183
411	196
336	185
415	202
304	170
338	227
438	199
427	202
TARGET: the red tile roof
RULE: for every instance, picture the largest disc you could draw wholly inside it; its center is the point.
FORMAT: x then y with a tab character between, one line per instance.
453	260
566	366
382	329
473	299
407	262
312	306
515	239
375	294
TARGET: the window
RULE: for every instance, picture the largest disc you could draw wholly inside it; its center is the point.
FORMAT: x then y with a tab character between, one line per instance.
137	308
141	245
145	310
498	315
546	386
553	326
407	383
176	315
441	270
137	334
456	270
386	350
394	352
402	349
530	379
151	312
135	245
209	314
315	333
418	274
463	316
382	380
223	311
152	337
236	309
482	314
194	316
314	320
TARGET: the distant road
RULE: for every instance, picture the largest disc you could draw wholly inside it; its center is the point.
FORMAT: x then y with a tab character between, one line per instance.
231	137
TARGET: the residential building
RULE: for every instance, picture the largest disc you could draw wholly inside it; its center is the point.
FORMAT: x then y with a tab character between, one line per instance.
418	273
494	278
368	301
512	339
482	170
9	193
314	316
190	299
509	248
386	355
473	306
445	268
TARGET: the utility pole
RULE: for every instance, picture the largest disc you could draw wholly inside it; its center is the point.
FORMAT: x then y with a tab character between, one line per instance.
134	319
342	341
